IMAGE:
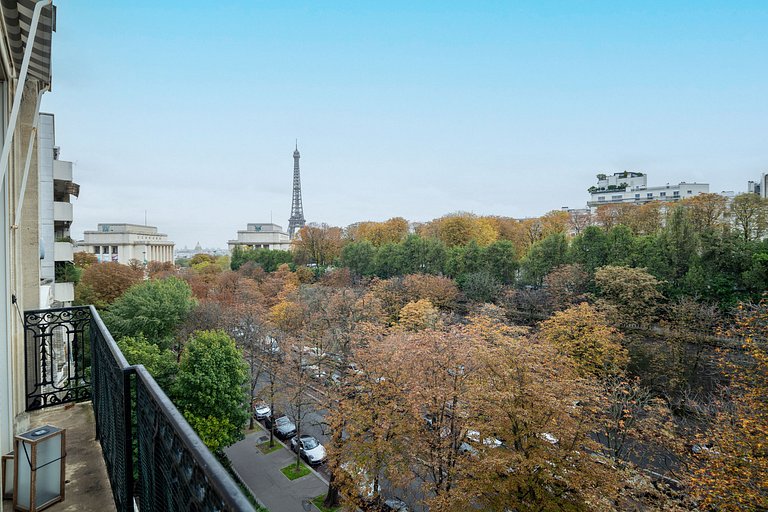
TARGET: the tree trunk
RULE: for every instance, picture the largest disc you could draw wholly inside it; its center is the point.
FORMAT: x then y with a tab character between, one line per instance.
332	498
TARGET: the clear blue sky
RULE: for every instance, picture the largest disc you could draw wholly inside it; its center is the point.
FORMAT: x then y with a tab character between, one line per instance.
189	110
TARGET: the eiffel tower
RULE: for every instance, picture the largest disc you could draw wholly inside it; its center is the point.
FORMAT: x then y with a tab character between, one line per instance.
297	210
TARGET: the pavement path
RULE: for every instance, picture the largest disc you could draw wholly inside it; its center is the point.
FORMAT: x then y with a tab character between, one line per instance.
261	473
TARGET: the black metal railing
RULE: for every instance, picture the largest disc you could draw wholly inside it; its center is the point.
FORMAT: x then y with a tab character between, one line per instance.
176	470
111	377
152	455
56	356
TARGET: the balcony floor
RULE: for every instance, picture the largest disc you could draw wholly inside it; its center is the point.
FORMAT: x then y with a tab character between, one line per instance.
87	485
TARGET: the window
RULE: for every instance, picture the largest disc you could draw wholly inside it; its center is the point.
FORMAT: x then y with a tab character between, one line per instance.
114	249
649	195
617	197
663	194
97	250
105	249
690	191
676	193
637	196
601	198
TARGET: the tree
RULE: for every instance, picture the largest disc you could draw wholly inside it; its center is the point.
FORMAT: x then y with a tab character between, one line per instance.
583	333
480	287
393	230
732	463
84	259
154	308
160	363
590	249
632	292
359	257
501	261
566	285
706	210
543	257
268	259
102	283
419	315
318	244
620	242
210	388
440	291
423	255
750	215
388	261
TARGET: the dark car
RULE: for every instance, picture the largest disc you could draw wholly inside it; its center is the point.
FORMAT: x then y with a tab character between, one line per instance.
284	428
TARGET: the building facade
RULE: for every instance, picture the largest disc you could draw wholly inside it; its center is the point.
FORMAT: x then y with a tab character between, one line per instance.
55	190
262	236
759	187
122	243
25	75
632	187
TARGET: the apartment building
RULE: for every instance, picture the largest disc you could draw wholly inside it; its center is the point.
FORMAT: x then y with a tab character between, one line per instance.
759	187
632	187
123	242
55	191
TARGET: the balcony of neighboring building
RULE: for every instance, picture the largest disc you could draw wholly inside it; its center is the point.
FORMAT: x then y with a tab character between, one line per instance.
127	446
64	292
62	171
63	251
62	212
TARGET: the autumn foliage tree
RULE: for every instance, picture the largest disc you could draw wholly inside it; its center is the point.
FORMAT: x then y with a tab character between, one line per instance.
731	472
102	283
583	333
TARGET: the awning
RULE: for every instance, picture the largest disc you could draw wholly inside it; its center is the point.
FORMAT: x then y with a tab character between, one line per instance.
18	17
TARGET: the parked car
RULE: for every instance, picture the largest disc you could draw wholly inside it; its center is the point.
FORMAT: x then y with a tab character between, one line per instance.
284	427
309	448
395	505
261	411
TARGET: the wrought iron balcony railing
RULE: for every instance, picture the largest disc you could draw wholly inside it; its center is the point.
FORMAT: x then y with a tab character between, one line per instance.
152	455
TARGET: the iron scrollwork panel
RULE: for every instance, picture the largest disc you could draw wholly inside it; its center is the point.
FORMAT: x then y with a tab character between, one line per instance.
57	356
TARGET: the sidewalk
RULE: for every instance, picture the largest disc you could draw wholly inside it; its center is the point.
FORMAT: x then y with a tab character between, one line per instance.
261	473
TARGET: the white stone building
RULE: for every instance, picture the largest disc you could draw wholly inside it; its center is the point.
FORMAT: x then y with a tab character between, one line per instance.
55	190
125	242
262	236
632	187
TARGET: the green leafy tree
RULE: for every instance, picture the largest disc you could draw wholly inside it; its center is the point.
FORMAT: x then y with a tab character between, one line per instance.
543	256
160	363
480	286
620	243
501	261
590	249
210	389
359	257
388	261
423	255
154	309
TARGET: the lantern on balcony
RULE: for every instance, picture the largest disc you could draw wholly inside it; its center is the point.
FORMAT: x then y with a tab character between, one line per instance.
39	468
8	476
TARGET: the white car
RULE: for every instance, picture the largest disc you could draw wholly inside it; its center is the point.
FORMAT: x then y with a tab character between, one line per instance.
309	448
261	411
